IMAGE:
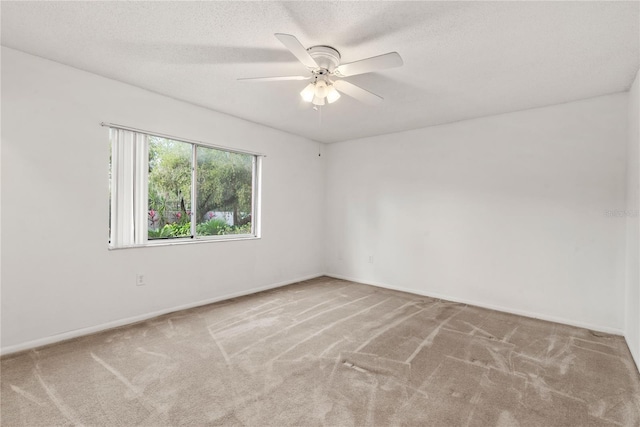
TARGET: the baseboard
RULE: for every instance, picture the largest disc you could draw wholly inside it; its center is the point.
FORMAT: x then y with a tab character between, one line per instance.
134	319
635	356
605	329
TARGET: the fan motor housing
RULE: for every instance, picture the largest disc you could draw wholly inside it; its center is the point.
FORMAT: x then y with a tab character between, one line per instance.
326	57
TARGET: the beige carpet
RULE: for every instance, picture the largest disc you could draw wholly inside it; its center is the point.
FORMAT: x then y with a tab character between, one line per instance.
327	352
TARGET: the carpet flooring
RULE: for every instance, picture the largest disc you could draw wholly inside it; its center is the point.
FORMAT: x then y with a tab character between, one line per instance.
327	352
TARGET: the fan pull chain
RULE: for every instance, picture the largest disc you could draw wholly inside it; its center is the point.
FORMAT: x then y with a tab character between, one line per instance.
319	125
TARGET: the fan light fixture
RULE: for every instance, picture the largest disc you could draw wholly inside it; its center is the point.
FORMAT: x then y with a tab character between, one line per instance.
323	63
317	91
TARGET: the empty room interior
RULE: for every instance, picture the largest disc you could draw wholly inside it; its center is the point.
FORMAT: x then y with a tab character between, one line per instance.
320	213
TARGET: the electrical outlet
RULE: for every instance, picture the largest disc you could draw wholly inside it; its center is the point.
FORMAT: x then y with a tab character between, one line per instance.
140	280
370	259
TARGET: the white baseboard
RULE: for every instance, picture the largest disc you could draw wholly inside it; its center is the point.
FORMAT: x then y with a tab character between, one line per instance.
129	320
524	313
134	319
635	355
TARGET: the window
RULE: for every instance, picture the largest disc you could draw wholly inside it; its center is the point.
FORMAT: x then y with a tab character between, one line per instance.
164	189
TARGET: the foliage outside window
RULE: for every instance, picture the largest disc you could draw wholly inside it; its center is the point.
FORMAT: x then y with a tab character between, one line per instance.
165	189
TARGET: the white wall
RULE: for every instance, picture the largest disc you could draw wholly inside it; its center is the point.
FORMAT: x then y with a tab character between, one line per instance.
506	211
59	279
633	224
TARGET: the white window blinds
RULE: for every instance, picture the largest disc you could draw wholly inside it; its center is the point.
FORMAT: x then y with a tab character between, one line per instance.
129	166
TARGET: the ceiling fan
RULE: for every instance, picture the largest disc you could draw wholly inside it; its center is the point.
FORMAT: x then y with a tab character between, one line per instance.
326	72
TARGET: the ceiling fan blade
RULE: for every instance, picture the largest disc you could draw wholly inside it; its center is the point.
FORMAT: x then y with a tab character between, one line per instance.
295	47
375	63
357	92
274	79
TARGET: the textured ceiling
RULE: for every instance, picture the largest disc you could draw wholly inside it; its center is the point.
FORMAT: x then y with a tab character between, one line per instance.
461	59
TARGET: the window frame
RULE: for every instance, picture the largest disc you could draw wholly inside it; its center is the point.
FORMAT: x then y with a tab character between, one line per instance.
143	181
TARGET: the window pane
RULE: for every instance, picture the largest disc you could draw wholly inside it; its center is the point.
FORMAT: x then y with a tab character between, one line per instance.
169	188
224	188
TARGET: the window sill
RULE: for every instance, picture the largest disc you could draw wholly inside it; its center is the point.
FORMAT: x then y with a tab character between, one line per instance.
185	241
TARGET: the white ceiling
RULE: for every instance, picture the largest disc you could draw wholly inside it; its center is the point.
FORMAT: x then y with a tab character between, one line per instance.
461	59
